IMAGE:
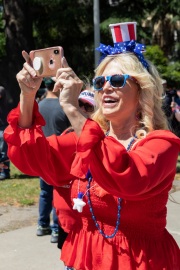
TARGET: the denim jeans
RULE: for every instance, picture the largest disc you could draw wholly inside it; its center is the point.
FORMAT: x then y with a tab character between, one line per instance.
3	156
45	207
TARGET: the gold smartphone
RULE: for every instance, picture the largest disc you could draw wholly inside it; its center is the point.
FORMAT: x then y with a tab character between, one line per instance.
47	61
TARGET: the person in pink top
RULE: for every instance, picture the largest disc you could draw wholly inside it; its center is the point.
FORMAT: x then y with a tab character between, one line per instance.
113	173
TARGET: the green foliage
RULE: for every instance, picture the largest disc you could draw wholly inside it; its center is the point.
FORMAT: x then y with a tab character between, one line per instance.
172	75
70	24
168	70
156	55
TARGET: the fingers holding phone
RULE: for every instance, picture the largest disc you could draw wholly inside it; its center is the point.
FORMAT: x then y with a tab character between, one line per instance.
27	79
46	61
69	85
39	64
49	62
67	70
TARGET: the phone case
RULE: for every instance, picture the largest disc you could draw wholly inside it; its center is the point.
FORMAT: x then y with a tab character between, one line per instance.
46	61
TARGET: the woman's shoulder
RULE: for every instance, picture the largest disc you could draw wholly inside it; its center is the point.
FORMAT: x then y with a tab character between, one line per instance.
161	134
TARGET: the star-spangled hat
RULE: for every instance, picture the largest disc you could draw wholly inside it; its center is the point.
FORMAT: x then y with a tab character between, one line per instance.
124	39
122	32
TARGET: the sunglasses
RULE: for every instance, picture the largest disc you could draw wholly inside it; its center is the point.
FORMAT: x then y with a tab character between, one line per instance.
116	81
88	107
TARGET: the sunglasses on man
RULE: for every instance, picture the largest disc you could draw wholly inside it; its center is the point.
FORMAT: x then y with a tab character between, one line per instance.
88	107
116	81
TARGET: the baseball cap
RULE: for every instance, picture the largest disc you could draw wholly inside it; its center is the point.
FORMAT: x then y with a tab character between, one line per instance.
87	96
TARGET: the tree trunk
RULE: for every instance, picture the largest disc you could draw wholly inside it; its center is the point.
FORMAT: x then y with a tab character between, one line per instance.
163	34
18	31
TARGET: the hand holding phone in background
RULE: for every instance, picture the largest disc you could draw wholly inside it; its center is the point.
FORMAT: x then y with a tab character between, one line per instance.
47	61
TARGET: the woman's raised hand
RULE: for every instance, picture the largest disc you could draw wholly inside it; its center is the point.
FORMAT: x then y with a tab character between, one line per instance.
69	85
29	85
28	82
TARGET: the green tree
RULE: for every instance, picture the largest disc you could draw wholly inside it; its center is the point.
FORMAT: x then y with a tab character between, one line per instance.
2	36
168	70
32	24
172	75
163	18
18	32
69	24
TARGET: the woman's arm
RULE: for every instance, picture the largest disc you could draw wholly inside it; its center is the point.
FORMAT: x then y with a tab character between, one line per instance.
29	85
145	171
70	87
66	81
34	154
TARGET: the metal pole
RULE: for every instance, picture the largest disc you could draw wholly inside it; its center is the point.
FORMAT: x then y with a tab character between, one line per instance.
96	31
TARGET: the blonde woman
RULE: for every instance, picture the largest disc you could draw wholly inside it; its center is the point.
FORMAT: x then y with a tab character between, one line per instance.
117	169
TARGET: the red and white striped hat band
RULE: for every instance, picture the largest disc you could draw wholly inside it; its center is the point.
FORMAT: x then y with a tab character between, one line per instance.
122	32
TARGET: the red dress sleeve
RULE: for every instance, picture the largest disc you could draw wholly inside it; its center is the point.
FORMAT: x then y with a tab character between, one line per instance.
145	171
34	154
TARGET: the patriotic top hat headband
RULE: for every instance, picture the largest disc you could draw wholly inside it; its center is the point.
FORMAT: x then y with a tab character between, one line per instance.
124	38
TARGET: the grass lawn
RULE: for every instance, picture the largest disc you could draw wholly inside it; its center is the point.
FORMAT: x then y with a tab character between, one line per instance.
20	190
178	169
23	190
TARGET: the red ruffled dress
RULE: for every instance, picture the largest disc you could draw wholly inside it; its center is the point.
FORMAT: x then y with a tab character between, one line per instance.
142	178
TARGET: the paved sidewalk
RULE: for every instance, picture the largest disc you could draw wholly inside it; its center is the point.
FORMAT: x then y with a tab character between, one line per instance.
22	250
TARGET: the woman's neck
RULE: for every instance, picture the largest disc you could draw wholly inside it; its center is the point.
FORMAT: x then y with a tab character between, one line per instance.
122	131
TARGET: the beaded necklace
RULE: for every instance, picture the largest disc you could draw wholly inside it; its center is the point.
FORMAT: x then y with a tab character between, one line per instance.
89	177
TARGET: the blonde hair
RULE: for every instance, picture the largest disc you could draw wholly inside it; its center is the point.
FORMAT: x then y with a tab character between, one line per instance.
150	114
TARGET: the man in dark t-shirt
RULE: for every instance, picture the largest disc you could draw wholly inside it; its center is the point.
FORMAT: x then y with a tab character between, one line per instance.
56	123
